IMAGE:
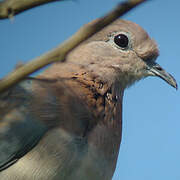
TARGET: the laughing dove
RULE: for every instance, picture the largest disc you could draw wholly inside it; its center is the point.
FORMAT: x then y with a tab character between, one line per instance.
66	123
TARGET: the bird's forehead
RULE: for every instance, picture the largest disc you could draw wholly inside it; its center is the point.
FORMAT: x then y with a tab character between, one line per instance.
130	27
143	45
138	33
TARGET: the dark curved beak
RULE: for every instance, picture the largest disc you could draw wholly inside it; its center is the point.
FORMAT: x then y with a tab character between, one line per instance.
157	70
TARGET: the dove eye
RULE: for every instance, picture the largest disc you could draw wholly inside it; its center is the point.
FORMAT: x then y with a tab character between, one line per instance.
121	40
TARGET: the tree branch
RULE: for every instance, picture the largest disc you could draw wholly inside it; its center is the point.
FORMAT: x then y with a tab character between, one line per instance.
59	53
9	8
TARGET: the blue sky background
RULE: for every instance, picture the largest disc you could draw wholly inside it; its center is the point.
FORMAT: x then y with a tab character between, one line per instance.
151	125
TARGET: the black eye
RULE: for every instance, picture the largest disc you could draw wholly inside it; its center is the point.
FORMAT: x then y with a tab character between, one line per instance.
121	40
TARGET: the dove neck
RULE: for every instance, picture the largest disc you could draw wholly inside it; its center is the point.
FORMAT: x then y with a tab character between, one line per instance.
103	101
101	94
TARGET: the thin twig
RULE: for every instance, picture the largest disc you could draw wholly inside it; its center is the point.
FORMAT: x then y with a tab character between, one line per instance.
9	8
59	53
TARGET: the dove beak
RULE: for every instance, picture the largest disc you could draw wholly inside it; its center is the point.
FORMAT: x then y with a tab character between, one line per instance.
157	70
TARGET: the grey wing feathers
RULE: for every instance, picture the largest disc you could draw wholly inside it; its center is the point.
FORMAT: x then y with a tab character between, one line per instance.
19	130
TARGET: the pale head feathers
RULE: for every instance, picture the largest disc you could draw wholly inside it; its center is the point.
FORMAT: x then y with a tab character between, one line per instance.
102	56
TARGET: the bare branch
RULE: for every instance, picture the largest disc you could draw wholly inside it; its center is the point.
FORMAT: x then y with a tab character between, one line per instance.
9	8
61	51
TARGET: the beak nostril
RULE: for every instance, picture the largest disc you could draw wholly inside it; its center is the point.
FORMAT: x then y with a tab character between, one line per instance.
159	68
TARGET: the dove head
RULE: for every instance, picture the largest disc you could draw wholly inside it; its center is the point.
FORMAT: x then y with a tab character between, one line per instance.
122	53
